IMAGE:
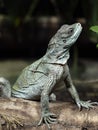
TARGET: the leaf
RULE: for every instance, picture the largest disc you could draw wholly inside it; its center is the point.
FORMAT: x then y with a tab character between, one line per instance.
97	46
94	28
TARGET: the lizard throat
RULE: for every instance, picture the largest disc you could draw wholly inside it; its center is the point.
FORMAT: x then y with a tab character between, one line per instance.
60	57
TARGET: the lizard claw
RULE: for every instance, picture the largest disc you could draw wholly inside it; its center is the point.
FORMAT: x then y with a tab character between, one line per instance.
86	104
48	118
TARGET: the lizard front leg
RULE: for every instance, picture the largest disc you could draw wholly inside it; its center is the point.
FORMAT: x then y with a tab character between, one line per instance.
46	115
72	90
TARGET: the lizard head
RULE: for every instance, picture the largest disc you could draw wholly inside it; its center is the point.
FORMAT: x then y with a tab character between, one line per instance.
66	35
61	42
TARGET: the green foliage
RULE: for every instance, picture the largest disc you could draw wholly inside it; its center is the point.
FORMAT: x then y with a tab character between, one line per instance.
97	46
94	28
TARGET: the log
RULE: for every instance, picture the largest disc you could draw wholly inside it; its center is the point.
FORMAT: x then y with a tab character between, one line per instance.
20	114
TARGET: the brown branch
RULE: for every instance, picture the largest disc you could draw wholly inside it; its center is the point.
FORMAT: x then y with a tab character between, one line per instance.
22	114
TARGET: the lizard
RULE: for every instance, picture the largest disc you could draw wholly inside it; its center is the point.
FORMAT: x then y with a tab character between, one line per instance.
50	73
5	88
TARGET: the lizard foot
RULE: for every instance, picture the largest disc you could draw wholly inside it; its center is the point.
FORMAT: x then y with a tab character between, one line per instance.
48	118
86	104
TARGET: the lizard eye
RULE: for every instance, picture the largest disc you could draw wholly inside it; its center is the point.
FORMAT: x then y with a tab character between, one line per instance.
70	30
64	40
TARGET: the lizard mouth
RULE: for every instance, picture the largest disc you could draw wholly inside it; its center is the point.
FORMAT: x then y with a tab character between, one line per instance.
77	30
70	41
76	34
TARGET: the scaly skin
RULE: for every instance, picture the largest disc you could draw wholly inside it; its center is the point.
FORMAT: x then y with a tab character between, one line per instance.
5	88
50	73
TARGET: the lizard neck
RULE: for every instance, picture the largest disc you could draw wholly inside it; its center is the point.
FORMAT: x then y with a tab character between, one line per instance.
60	57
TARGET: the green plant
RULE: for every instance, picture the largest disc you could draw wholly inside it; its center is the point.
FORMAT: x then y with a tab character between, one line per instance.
94	29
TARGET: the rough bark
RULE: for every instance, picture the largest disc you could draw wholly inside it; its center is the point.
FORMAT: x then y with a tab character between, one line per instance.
19	114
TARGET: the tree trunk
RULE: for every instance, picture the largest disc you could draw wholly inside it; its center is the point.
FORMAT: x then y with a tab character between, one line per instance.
20	114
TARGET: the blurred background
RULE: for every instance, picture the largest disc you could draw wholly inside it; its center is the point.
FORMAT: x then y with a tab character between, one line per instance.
26	27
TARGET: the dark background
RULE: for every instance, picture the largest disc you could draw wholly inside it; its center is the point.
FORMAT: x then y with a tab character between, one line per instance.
27	26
